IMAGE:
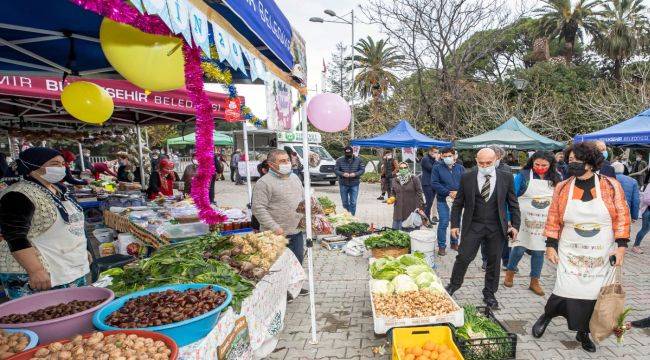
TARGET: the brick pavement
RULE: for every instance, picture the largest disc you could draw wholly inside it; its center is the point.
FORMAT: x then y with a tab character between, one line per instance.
345	329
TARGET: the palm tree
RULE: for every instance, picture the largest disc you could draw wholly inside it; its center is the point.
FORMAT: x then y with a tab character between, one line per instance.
623	28
560	19
376	62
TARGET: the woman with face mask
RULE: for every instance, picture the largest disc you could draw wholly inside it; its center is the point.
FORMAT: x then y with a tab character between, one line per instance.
43	228
408	194
534	188
127	171
161	182
188	174
588	222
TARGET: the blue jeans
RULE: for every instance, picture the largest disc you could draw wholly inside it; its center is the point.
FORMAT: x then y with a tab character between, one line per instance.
536	260
297	246
349	197
645	227
429	195
443	223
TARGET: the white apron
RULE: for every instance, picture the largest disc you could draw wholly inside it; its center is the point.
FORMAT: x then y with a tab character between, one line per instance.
534	205
585	244
63	247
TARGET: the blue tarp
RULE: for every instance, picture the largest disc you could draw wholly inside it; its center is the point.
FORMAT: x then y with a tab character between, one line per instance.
402	135
634	131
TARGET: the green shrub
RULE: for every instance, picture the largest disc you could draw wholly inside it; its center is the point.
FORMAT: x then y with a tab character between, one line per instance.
370	177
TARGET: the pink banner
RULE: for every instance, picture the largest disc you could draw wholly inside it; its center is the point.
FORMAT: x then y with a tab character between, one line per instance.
123	92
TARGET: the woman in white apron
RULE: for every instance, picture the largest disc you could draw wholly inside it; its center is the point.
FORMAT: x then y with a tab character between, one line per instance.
44	243
534	186
587	223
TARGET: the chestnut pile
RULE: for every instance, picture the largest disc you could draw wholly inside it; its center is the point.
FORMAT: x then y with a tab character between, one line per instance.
166	307
51	312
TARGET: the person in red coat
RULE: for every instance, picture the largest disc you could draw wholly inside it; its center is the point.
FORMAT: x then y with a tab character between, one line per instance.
162	180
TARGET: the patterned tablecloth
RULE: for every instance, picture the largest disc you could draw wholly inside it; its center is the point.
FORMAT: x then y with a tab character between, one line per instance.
264	311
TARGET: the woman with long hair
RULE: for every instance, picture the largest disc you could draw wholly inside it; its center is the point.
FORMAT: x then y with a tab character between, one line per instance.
588	222
534	186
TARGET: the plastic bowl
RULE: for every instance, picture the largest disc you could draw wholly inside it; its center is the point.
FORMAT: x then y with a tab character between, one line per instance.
33	337
59	328
27	355
183	332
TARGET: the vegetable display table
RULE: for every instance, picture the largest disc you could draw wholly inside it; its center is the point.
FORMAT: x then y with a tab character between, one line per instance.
264	312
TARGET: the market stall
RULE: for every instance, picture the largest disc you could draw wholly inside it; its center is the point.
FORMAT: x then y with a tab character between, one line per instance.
403	135
512	135
632	132
219	138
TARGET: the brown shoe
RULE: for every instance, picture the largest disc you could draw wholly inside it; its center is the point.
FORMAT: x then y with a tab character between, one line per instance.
442	252
535	286
510	277
454	247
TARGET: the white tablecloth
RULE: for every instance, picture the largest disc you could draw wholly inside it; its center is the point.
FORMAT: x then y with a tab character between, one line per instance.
264	311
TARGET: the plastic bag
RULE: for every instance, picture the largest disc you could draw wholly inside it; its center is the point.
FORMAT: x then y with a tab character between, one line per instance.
413	221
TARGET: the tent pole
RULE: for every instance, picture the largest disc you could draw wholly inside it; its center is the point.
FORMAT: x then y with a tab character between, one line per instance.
246	160
138	132
146	137
11	146
310	242
81	156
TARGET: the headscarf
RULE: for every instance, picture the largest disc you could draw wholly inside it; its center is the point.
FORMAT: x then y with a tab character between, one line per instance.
32	159
403	178
166	168
68	156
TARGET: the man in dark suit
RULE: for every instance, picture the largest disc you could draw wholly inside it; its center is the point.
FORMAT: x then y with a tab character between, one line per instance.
606	168
484	194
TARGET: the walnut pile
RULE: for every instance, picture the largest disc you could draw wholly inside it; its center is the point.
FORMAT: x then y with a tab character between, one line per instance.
413	304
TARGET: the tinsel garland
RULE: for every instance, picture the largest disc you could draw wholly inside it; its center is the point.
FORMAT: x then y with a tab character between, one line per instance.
121	11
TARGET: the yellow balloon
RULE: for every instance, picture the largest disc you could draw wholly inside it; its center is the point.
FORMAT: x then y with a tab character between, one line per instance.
87	102
152	62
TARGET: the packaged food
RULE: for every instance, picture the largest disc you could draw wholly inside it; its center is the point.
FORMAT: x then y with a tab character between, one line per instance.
106	249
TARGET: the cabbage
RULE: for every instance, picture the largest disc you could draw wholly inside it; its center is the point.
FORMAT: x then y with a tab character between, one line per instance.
415	270
381	287
437	288
404	283
425	279
416	258
386	269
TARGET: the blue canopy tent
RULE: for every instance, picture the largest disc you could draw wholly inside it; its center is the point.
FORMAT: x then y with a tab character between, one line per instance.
402	135
631	132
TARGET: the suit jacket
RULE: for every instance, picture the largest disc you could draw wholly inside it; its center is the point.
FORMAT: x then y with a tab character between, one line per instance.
504	190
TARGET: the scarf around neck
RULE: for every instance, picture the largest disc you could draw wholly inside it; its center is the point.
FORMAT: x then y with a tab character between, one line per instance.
404	178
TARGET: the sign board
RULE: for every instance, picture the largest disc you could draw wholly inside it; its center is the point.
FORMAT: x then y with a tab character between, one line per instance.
296	136
232	108
237	344
123	93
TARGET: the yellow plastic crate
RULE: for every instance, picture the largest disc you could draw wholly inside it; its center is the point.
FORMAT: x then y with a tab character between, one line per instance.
418	336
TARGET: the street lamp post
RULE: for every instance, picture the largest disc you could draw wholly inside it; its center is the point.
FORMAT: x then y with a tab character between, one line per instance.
351	23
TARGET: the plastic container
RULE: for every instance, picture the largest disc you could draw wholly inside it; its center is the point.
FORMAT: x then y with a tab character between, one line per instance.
104	235
27	355
418	336
33	337
424	241
504	347
184	332
183	231
59	328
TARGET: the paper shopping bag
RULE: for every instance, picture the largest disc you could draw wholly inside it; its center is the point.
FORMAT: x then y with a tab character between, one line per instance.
609	305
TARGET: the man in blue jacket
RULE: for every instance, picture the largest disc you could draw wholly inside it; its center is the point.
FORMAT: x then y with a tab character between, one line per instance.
445	180
630	188
428	162
349	169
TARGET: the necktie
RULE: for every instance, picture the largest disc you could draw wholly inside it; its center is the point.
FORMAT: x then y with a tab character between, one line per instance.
485	190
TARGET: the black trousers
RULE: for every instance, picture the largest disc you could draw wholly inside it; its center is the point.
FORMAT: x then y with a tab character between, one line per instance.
233	171
491	237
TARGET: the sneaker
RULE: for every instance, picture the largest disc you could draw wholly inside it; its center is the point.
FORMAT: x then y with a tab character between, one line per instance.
434	219
289	299
637	250
442	252
303	292
381	197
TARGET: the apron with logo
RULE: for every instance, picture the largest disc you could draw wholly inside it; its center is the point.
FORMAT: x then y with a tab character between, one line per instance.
534	205
585	244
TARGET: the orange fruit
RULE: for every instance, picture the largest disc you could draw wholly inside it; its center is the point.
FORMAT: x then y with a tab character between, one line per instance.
434	355
422	357
417	351
409	357
426	353
429	345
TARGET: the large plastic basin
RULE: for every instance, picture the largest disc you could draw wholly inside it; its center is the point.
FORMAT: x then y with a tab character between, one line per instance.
27	355
183	332
63	327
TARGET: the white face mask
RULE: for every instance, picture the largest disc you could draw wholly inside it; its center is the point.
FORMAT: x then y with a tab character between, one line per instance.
54	174
486	170
195	162
284	169
449	160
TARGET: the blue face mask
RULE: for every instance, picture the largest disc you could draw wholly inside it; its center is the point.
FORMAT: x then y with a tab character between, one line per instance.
449	160
605	154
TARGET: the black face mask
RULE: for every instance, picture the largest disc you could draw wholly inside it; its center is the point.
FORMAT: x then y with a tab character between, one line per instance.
576	169
348	155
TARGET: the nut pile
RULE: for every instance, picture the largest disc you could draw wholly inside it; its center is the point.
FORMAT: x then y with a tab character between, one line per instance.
413	304
13	343
162	308
51	312
100	347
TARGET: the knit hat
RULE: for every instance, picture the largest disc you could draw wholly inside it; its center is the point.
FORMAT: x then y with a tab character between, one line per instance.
33	158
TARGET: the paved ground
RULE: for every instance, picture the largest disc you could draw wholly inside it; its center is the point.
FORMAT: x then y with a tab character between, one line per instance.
345	328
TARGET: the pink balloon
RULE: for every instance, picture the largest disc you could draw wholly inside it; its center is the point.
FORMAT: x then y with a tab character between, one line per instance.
329	112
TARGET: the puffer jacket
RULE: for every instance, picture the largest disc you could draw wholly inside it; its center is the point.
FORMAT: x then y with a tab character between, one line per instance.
353	165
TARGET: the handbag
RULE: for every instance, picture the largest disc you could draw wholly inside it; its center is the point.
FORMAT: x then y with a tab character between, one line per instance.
609	305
